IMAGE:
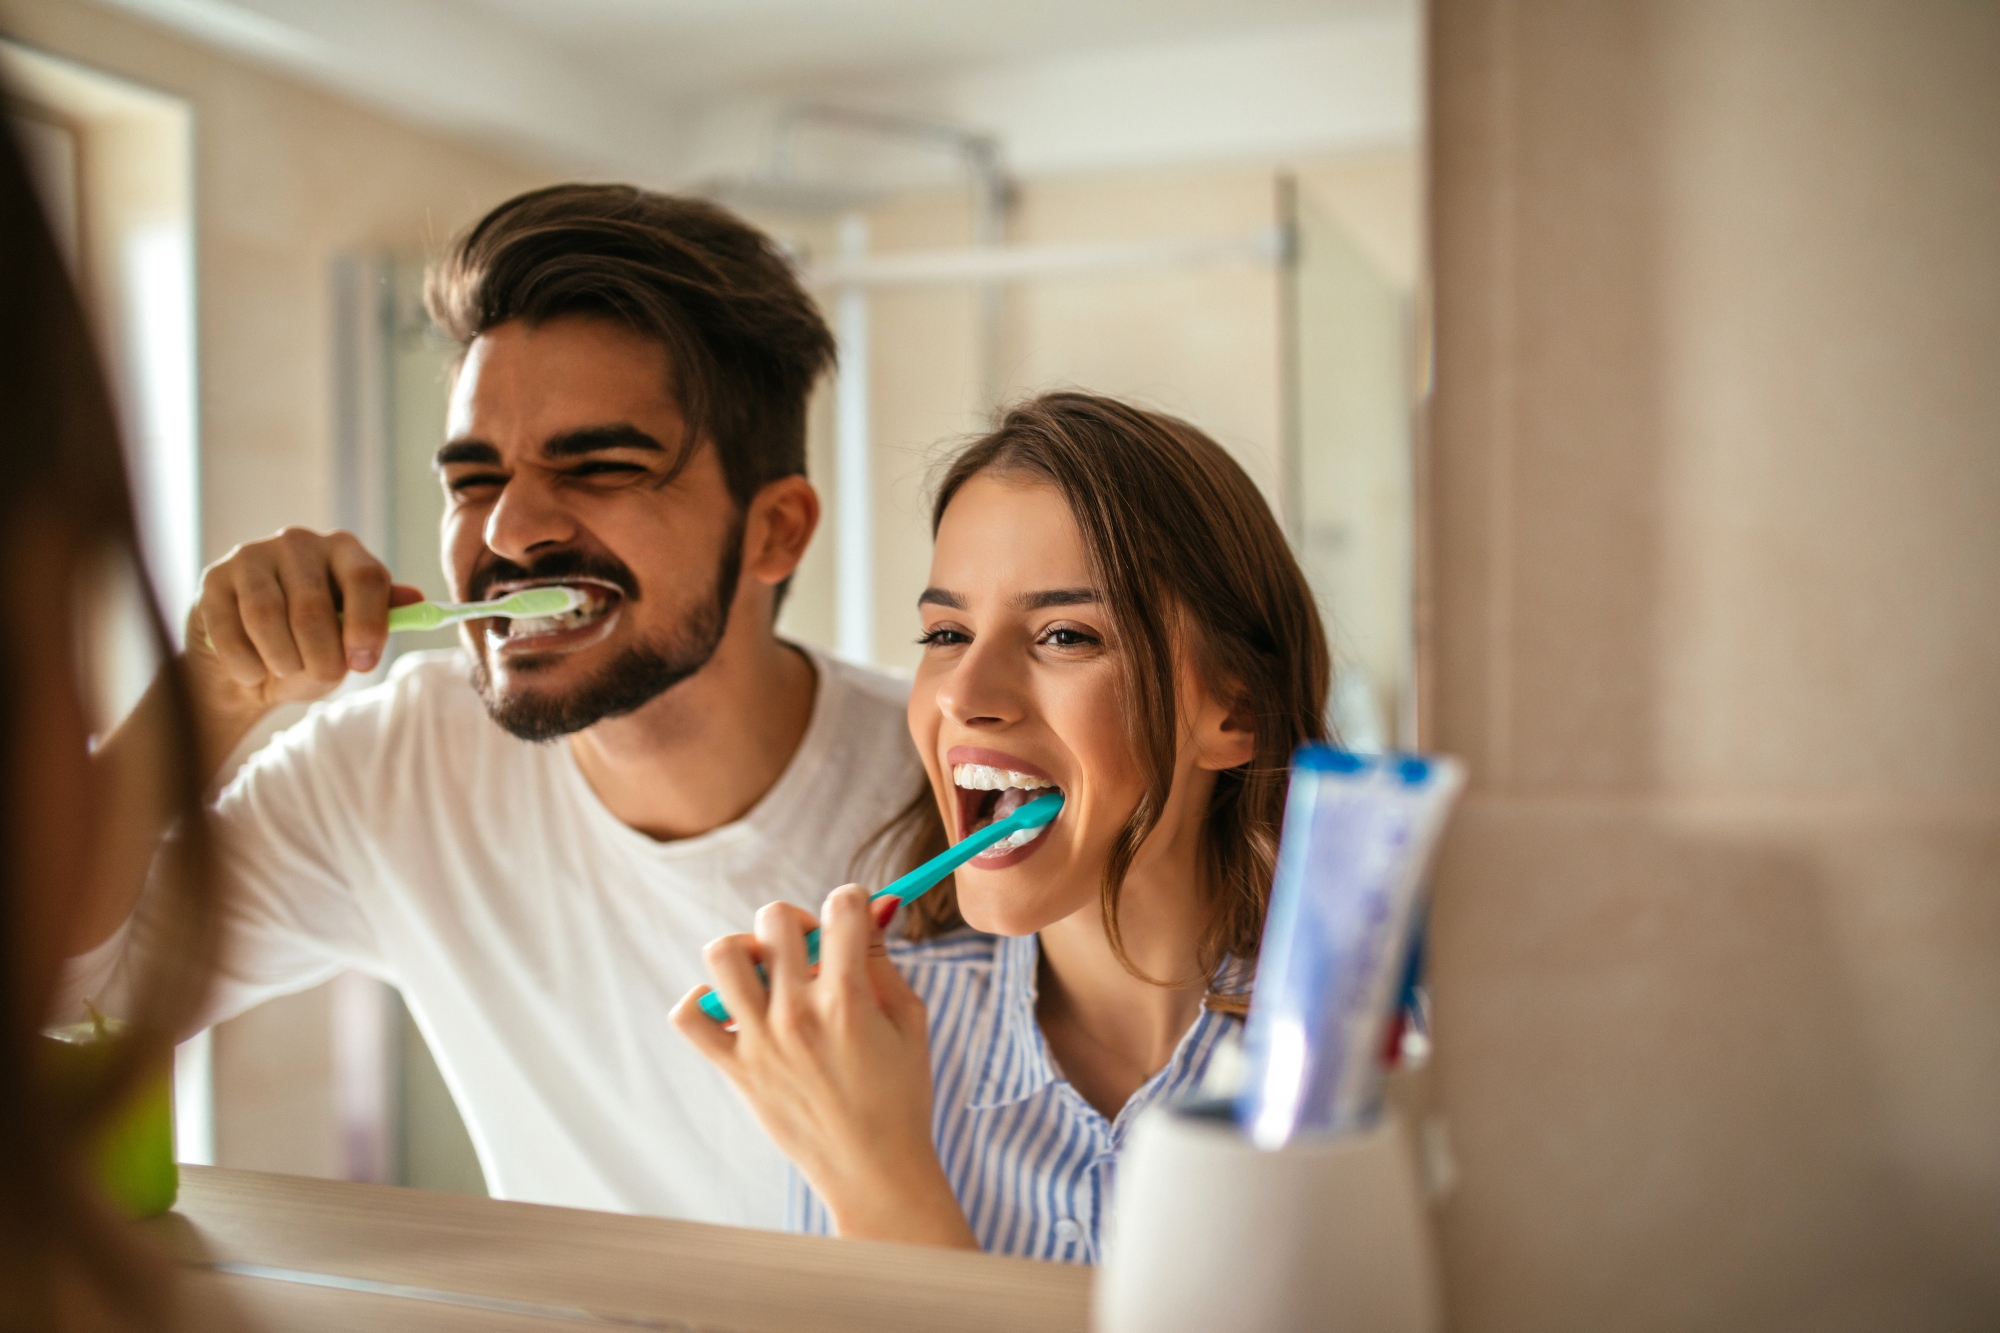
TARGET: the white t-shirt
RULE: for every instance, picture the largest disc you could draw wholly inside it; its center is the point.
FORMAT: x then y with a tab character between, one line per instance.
538	941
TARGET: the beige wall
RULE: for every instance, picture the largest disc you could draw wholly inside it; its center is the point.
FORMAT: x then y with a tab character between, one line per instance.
1203	343
1716	529
285	178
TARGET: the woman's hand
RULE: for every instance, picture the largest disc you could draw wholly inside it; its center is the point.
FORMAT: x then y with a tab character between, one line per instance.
835	1066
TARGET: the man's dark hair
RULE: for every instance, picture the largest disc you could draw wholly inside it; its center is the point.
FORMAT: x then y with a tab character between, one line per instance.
744	342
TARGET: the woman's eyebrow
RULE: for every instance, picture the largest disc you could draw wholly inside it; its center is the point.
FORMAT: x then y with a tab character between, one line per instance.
940	597
1037	601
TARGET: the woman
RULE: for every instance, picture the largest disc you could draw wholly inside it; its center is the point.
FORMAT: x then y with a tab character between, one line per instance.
67	1261
1113	613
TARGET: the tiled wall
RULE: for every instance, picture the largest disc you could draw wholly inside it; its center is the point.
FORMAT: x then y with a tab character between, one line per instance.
1714	554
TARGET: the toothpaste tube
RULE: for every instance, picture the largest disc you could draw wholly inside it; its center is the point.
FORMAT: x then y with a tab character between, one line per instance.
1359	830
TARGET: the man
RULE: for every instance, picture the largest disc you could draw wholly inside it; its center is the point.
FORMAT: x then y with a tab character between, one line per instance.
534	838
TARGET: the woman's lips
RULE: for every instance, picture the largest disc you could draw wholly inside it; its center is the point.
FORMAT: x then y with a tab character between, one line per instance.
990	784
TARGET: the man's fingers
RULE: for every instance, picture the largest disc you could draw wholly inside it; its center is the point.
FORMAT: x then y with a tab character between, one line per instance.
260	607
220	623
306	576
364	586
732	961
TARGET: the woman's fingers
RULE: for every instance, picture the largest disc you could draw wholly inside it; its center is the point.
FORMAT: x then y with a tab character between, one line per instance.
708	1036
732	961
781	931
845	939
903	1006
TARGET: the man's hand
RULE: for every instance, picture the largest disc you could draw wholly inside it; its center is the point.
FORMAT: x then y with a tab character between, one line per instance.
283	621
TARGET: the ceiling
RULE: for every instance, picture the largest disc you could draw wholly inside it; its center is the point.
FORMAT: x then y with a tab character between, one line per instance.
669	92
697	49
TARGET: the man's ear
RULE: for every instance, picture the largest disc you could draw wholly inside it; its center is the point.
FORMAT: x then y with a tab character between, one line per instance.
778	528
1223	735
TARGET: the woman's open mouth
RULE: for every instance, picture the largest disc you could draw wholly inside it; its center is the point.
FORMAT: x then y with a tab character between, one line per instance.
579	627
988	792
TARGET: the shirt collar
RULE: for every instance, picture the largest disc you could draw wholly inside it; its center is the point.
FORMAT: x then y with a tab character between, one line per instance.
1017	1059
1018	1064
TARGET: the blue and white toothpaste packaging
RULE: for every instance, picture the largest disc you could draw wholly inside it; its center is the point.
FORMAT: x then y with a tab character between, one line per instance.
1345	904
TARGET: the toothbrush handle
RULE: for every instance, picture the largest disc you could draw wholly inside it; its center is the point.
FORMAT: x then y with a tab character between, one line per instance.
421	615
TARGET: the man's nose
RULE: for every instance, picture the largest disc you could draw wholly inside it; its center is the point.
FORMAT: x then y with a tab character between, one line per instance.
987	686
526	520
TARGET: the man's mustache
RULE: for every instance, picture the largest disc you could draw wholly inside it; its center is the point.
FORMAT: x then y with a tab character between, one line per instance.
554	567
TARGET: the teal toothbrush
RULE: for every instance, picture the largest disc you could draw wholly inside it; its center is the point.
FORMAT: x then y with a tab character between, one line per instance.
925	877
527	604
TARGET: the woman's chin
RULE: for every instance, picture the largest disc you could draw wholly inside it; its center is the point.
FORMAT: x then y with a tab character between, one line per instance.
997	913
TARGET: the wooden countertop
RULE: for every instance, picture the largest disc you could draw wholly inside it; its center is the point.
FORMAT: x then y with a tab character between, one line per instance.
288	1252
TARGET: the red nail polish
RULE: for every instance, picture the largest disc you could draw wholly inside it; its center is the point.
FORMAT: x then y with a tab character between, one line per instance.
885	911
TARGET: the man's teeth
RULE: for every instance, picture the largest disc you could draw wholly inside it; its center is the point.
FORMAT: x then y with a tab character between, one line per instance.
978	777
592	608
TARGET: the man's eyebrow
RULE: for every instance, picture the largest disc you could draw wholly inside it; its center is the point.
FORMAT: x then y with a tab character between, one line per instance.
940	597
596	439
1038	601
465	451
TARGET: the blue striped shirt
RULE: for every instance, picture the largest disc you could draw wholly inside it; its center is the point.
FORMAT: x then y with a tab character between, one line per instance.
1032	1162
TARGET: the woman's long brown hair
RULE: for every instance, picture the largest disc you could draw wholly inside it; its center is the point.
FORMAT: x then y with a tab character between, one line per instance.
1193	567
63	488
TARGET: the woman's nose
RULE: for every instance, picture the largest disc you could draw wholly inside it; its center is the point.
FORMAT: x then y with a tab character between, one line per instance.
526	519
986	688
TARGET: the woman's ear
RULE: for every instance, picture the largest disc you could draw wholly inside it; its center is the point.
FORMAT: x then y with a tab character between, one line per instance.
1223	736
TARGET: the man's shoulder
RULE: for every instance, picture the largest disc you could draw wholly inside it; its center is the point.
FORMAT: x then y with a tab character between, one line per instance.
864	719
872	687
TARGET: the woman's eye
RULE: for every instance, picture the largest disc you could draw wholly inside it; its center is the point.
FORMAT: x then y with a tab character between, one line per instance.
942	637
1064	636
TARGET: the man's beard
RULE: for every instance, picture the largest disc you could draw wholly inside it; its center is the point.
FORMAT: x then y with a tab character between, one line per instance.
634	678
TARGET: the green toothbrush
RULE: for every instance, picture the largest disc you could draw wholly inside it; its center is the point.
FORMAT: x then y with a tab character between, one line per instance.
527	604
1040	811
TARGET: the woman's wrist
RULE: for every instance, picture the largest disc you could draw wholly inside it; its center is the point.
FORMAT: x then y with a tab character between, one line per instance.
915	1207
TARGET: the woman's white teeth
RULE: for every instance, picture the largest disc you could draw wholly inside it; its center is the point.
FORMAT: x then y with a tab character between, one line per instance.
1016	790
1018	838
979	777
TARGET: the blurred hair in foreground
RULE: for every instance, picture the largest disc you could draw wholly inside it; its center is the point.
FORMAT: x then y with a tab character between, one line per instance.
68	1261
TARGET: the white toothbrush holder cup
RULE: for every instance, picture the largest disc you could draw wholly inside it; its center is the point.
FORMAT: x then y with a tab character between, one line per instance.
1214	1233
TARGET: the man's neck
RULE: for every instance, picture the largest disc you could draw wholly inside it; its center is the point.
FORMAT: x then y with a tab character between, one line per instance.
702	754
